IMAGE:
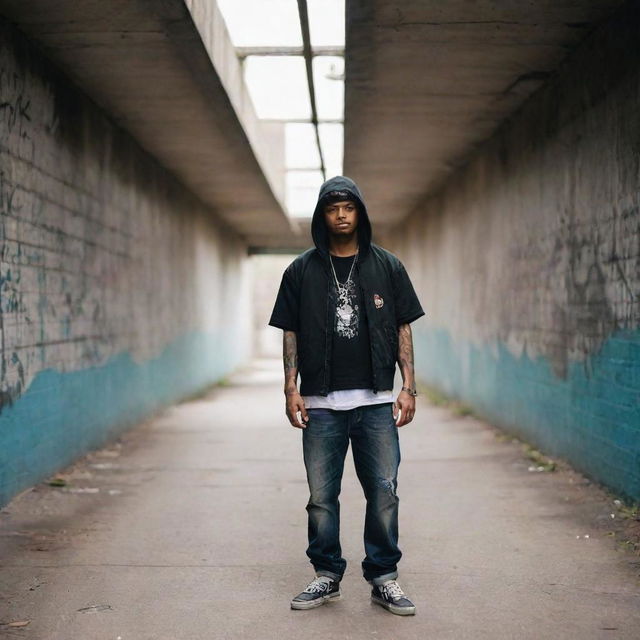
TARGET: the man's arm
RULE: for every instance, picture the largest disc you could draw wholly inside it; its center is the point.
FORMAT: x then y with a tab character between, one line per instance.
294	401
405	403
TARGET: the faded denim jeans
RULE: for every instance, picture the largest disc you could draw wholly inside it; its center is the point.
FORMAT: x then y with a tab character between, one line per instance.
376	455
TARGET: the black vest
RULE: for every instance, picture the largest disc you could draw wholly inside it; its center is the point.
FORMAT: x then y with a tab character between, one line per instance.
313	280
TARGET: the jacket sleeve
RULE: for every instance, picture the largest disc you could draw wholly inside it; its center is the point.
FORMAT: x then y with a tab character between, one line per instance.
407	305
285	313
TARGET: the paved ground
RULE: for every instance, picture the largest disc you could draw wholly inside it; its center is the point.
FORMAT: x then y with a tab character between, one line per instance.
193	526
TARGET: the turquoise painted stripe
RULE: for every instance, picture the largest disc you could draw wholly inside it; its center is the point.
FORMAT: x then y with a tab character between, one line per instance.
590	418
63	415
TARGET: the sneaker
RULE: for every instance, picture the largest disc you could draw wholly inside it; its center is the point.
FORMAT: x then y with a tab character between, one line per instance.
320	590
390	596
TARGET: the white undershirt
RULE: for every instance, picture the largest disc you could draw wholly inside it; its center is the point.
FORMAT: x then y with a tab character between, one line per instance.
346	399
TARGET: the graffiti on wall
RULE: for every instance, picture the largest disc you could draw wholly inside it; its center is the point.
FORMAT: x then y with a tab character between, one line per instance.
96	239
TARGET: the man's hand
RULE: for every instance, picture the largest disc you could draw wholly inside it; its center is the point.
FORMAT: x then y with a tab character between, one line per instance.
296	411
404	408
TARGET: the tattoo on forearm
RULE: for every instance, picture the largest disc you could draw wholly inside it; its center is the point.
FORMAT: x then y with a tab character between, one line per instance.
290	360
405	353
290	351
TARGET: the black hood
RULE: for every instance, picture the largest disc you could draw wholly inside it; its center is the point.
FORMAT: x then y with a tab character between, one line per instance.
318	226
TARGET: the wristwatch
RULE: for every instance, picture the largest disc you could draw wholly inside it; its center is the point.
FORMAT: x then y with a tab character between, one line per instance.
411	392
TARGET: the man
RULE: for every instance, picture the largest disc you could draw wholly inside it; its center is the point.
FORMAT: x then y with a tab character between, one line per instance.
345	308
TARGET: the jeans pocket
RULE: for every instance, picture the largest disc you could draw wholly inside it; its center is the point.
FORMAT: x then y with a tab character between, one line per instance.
323	423
319	412
379	417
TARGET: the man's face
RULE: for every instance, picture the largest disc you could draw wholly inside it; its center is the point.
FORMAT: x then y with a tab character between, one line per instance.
341	217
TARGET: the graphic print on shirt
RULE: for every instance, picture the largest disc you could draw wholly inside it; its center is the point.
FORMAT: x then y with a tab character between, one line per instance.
347	311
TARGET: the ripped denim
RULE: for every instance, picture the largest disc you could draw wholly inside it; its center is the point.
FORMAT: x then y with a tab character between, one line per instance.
376	456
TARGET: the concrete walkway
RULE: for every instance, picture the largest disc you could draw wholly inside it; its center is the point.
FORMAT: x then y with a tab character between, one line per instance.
193	526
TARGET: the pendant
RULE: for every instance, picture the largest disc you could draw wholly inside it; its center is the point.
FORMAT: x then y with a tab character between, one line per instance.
345	313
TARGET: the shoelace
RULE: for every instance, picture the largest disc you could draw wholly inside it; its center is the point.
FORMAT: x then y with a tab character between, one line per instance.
393	590
317	585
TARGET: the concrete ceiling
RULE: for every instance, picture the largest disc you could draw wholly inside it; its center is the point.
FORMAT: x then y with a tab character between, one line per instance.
145	63
427	81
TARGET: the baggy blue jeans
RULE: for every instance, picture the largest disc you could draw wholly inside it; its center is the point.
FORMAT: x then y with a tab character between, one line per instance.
376	456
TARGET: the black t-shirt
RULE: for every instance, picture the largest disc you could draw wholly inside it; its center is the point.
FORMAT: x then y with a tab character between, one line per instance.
351	353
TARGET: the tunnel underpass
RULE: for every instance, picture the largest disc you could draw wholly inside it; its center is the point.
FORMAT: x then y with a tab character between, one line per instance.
148	205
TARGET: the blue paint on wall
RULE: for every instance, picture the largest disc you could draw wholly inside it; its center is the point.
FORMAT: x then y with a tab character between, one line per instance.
61	416
590	418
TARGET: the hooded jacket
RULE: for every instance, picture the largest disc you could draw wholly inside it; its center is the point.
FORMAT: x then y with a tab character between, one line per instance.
306	301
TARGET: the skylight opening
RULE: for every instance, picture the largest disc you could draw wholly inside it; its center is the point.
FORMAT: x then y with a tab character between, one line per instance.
267	36
278	87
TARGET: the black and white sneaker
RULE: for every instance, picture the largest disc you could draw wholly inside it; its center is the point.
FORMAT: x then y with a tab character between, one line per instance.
320	590
390	596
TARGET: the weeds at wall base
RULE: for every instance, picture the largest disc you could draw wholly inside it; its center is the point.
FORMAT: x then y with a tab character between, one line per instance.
625	512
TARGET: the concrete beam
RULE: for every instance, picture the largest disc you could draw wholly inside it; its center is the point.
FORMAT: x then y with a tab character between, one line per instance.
428	81
169	79
245	52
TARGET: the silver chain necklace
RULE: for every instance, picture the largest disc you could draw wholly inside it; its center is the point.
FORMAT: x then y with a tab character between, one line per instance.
343	288
346	309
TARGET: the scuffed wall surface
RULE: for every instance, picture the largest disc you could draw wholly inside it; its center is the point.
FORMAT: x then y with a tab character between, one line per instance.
119	292
528	265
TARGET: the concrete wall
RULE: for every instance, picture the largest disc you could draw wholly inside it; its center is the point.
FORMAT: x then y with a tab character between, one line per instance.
527	262
266	275
120	294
